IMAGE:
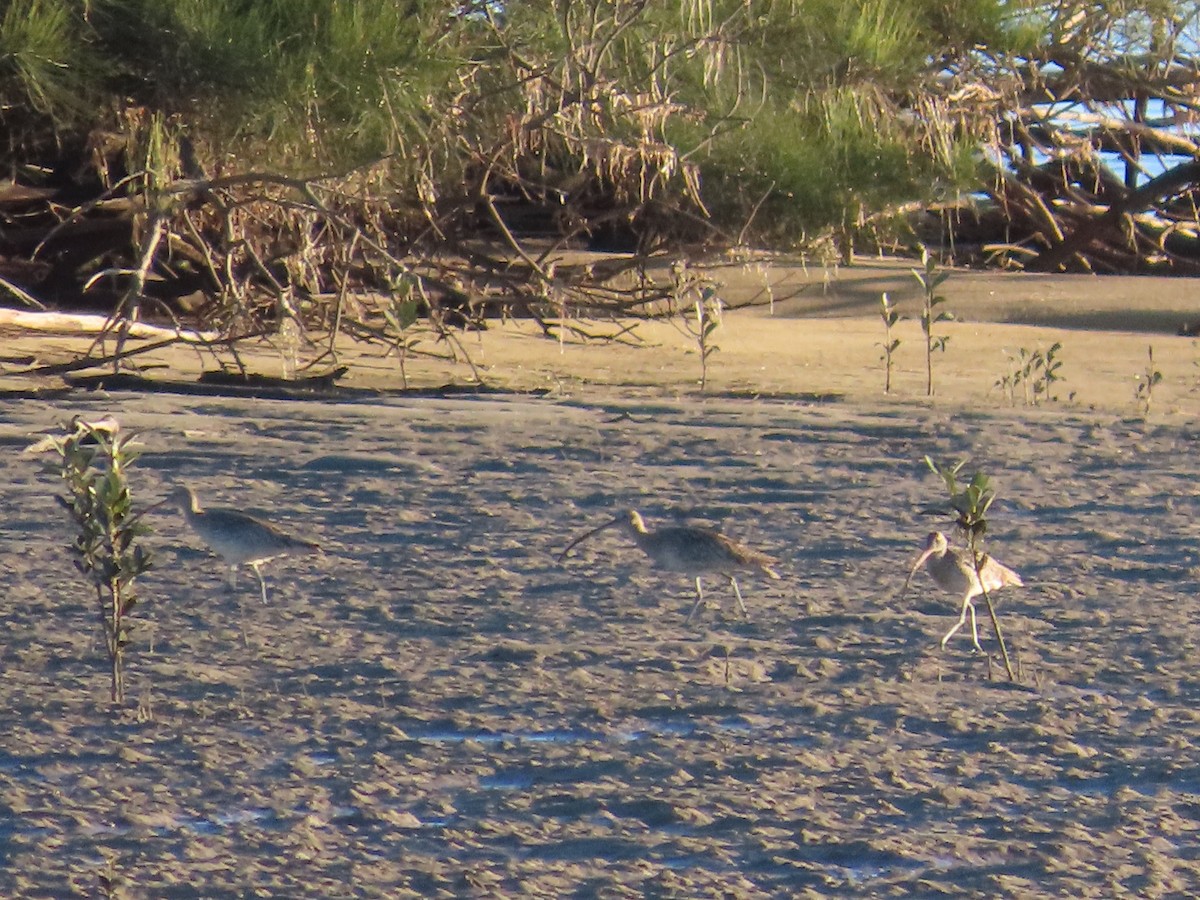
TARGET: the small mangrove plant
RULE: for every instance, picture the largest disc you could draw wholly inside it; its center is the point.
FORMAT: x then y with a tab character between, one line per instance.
704	317
889	345
970	503
92	459
930	279
1034	373
1146	382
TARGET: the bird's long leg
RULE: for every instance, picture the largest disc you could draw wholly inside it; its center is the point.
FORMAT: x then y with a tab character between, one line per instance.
241	606
737	592
974	627
962	620
242	618
699	601
261	581
233	577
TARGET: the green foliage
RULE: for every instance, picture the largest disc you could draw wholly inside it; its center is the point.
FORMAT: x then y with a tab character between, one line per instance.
45	60
298	81
1146	382
92	463
704	316
708	319
970	503
930	280
810	111
799	102
890	316
818	161
813	123
401	313
1011	28
1033	371
683	119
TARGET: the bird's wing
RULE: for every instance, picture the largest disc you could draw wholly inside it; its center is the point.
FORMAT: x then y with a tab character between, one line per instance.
745	556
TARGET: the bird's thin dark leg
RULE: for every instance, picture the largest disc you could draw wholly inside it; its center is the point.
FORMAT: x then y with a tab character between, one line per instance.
962	620
699	601
261	581
737	592
241	604
974	627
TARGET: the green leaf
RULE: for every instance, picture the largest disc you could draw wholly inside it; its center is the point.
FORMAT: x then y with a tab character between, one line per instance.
402	314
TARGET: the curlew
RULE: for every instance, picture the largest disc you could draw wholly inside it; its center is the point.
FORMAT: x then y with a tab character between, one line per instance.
952	571
690	550
237	538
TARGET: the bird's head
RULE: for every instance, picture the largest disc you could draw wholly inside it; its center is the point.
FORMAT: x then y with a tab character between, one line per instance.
935	545
183	497
633	520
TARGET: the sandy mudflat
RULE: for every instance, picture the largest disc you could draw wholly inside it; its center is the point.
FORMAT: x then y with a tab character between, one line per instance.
440	708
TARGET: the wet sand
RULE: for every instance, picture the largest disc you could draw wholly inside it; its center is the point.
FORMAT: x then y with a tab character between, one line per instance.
441	708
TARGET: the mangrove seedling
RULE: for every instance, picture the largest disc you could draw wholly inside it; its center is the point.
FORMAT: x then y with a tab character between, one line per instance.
1146	382
695	299
890	316
401	314
708	319
970	503
92	460
1035	372
930	280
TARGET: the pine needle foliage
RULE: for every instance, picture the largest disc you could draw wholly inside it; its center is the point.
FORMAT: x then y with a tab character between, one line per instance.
44	62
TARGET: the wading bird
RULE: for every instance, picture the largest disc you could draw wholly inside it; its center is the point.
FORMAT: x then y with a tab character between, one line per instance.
237	538
690	550
951	570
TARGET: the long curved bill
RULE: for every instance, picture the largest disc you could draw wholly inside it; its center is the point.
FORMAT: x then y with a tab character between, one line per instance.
584	537
928	552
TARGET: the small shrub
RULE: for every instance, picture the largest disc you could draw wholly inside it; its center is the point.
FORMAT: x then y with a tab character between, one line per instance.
92	462
890	316
1146	382
970	504
401	315
930	280
1034	372
704	316
708	319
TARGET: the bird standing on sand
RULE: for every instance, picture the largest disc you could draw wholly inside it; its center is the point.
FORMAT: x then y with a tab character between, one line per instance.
238	538
952	570
691	550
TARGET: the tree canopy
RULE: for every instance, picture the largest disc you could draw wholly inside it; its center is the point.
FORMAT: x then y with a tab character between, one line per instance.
260	152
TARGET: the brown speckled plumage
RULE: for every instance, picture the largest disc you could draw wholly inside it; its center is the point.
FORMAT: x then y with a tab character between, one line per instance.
690	550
